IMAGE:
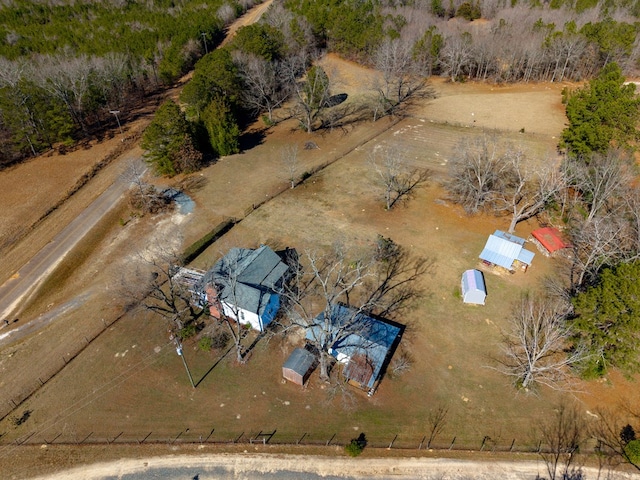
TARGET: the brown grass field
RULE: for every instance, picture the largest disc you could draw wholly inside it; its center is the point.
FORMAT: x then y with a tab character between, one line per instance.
129	385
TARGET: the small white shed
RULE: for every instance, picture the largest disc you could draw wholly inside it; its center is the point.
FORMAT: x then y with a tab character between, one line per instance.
473	288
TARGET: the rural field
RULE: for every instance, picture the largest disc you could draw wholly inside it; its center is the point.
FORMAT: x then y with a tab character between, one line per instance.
128	385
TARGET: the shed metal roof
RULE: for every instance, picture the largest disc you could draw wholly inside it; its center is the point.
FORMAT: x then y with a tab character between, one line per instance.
300	361
359	336
503	252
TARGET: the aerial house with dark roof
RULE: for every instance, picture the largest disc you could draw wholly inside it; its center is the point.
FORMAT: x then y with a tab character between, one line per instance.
244	285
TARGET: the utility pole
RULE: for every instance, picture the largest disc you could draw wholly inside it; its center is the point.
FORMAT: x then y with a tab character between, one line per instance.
204	40
181	355
116	112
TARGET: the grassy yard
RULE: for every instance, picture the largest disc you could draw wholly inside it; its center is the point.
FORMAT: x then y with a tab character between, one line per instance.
129	385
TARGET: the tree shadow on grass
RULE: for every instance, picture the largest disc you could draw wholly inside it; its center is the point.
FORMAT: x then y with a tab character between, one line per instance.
251	139
214	366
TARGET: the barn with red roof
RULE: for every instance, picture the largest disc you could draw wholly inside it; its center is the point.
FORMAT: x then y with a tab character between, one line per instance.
550	239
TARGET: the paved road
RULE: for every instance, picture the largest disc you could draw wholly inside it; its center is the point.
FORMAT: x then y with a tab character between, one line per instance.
21	285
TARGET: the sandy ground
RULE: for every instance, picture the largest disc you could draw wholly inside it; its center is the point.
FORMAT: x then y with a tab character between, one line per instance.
256	466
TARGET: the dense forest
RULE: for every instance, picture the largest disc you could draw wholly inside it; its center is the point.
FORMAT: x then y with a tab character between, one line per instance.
65	65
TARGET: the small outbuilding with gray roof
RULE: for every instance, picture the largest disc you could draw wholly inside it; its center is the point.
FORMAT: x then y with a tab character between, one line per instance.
473	288
299	366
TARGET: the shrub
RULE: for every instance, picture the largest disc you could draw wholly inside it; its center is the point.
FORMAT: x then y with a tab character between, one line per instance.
356	447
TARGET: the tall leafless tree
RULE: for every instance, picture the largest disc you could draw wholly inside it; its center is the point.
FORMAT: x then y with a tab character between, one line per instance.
398	178
457	55
159	290
264	87
290	163
382	282
437	420
528	190
477	171
613	431
562	435
403	76
534	351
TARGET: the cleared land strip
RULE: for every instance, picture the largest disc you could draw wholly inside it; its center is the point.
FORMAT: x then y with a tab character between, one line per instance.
27	279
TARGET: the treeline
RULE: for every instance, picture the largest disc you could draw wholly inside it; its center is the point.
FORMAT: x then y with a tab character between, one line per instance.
487	40
231	86
65	65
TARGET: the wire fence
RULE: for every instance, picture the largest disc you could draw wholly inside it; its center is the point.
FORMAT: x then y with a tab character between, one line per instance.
188	436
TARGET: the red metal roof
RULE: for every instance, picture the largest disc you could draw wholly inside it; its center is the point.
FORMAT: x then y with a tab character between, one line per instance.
550	238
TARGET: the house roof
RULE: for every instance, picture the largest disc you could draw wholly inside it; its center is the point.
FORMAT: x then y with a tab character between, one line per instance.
364	339
247	278
550	238
503	249
300	361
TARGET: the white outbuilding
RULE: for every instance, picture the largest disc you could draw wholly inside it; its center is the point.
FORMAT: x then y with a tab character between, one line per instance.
473	288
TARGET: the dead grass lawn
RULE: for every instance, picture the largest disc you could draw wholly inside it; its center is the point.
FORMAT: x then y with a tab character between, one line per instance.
130	383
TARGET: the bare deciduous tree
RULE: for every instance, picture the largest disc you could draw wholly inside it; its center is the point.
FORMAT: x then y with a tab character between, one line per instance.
397	177
437	419
562	436
143	196
457	55
602	180
614	433
527	190
264	88
163	292
595	244
382	282
477	171
403	75
311	93
290	163
535	349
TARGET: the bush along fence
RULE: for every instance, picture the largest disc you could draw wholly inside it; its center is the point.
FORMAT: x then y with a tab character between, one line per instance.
206	436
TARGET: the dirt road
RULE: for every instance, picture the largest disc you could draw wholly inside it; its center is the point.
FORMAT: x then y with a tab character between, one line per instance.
31	275
282	467
26	281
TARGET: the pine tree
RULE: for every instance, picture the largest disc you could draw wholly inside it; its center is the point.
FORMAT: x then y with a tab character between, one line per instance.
222	127
607	320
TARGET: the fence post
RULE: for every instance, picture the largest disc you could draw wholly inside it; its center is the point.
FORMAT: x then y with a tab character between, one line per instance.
452	442
483	441
301	438
392	441
143	440
512	444
421	442
331	439
210	433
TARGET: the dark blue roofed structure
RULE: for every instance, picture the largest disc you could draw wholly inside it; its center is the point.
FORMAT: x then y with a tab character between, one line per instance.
363	343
